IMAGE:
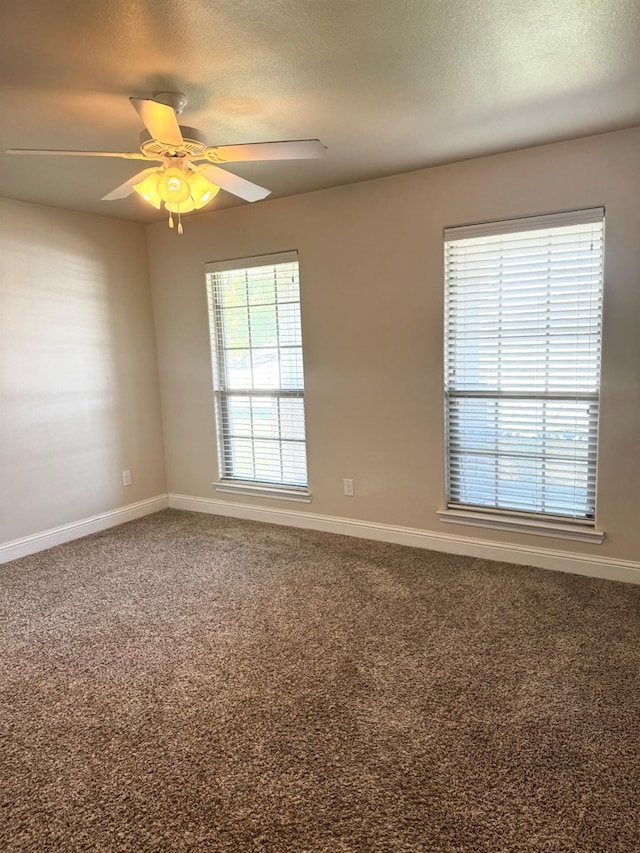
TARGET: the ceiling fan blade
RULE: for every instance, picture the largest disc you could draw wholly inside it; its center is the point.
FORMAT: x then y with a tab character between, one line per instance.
159	119
234	183
125	155
127	188
298	149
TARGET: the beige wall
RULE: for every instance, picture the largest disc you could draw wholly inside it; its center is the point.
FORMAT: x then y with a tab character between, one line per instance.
371	263
79	395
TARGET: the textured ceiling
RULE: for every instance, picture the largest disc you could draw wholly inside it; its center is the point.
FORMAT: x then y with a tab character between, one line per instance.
388	85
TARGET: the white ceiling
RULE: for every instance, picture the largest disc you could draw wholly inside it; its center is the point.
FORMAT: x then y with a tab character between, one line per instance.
388	85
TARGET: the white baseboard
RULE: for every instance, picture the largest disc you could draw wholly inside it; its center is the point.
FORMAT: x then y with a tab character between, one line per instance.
76	529
523	555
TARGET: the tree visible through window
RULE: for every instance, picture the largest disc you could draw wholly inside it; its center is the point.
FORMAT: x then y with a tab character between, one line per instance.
523	337
254	312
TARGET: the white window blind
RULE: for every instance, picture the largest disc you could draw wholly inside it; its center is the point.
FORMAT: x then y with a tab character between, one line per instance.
256	342
523	342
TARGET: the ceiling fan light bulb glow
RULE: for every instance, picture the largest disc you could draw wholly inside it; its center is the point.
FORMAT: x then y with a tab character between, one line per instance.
173	187
148	189
202	190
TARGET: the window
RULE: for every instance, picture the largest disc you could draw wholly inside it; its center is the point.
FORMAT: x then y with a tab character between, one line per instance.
256	342
523	333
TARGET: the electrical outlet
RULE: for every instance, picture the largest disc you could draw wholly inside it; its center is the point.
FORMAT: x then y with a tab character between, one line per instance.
126	478
348	488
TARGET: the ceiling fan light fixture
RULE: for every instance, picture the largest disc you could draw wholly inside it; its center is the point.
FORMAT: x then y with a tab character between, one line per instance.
181	192
148	189
202	190
173	187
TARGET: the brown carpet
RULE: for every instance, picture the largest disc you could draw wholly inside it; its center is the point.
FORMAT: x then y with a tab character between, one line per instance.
193	683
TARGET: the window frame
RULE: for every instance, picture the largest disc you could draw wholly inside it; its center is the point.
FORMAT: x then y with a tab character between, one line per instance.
227	483
540	523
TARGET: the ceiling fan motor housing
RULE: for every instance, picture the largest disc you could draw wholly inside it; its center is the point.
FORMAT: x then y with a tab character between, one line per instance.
194	142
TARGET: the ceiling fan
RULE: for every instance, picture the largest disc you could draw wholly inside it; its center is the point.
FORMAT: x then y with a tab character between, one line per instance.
189	175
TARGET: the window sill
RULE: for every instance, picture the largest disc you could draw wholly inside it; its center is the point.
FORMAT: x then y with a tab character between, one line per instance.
281	493
515	524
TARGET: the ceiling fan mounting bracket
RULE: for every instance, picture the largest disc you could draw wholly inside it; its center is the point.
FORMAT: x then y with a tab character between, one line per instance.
176	100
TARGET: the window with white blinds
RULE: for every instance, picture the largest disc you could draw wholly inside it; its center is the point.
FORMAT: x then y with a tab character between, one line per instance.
256	342
523	341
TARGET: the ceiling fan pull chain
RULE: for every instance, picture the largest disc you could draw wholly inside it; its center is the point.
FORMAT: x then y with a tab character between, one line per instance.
170	220
180	231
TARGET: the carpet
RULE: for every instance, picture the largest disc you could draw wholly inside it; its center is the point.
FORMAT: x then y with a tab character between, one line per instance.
187	682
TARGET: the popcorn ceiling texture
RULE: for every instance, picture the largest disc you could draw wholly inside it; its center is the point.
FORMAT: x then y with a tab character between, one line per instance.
193	683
